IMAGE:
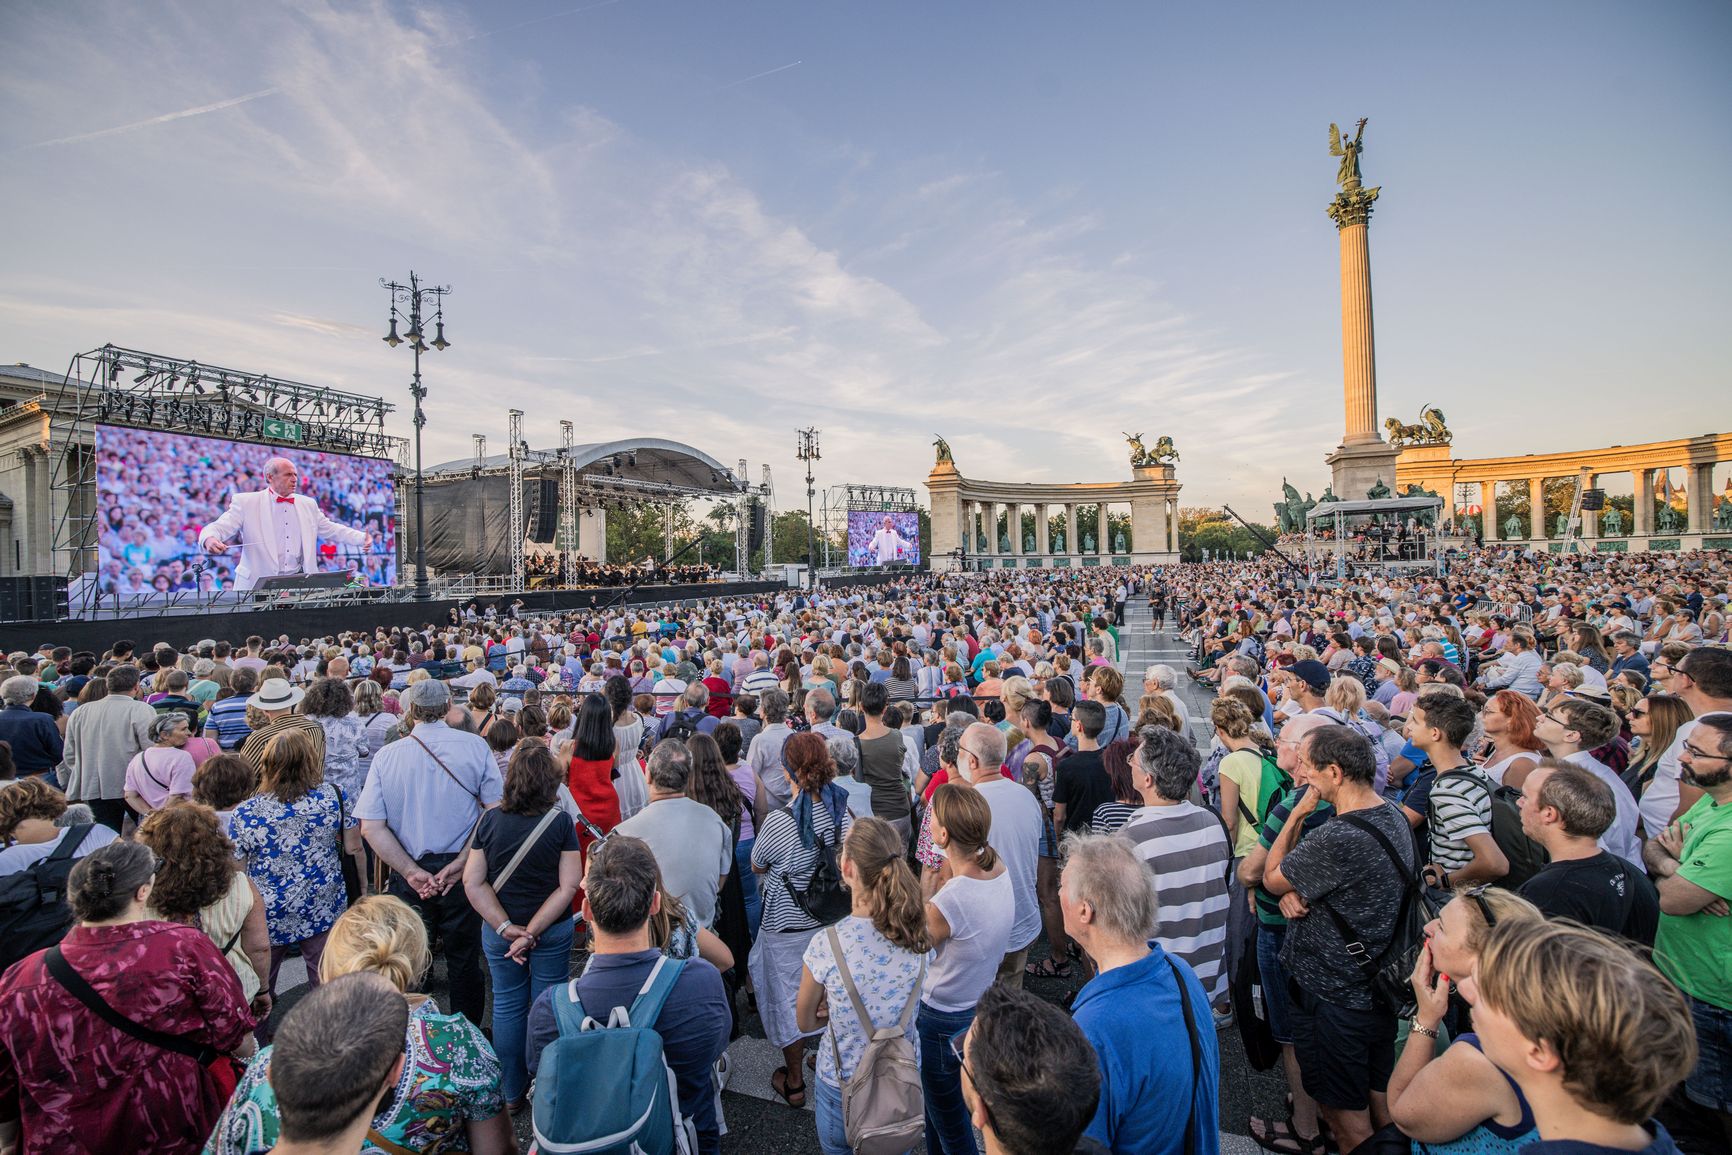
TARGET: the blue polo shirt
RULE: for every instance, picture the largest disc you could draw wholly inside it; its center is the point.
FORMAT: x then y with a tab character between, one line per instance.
1133	1019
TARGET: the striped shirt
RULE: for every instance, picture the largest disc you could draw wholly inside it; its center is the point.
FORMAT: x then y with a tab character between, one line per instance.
778	849
1186	849
1460	809
253	749
228	720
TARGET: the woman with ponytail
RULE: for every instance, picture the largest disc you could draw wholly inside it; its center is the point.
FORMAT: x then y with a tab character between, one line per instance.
449	1094
81	1084
969	917
884	943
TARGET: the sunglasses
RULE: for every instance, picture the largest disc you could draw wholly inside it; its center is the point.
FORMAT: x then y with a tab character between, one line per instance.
1478	895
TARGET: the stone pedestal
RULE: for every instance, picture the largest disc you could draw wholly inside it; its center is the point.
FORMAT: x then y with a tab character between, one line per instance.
1355	469
944	484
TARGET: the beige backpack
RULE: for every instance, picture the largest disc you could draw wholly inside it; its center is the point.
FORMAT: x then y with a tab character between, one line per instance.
883	1107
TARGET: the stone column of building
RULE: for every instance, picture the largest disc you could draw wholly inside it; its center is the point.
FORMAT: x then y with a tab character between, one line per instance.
1644	479
1070	543
1699	493
1042	544
1537	527
1591	521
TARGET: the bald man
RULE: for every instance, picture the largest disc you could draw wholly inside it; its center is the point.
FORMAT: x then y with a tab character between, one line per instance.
279	529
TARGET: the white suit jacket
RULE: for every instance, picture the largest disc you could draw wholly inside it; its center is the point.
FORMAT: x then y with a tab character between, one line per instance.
250	519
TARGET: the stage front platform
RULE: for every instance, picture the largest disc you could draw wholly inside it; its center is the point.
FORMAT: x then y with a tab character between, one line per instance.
183	629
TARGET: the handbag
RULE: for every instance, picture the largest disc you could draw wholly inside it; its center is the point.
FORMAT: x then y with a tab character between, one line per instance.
823	899
351	871
1390	974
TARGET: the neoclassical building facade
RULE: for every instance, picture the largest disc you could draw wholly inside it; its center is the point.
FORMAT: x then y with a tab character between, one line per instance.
981	524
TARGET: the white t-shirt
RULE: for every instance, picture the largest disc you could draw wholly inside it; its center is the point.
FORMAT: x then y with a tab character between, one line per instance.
1016	830
24	855
1620	837
981	912
693	847
1661	799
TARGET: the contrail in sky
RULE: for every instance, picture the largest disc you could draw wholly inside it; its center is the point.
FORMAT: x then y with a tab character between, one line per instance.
760	76
163	119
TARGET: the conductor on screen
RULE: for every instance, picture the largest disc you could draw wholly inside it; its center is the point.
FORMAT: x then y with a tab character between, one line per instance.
888	545
279	529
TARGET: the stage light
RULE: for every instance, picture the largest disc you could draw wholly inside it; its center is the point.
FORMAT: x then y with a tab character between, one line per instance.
141	378
113	371
391	338
439	341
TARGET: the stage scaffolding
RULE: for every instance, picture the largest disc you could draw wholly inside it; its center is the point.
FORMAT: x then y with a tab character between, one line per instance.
841	500
112	385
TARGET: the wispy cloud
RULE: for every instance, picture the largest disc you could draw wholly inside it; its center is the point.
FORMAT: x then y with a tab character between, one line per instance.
629	286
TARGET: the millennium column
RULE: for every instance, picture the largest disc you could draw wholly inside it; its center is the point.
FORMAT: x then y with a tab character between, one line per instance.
1362	459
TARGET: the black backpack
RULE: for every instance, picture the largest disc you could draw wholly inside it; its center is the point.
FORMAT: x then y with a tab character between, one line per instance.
33	910
684	725
1526	857
824	899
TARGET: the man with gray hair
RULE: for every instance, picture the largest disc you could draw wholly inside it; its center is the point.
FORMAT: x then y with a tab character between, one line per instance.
423	798
1163	680
691	717
1017	824
35	739
692	845
1145	1013
1185	846
765	754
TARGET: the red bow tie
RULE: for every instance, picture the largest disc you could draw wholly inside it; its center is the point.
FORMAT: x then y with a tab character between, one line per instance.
286	500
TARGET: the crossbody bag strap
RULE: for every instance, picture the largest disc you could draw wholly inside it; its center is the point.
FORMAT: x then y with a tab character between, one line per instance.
468	839
76	986
1351	939
848	981
528	843
1196	1058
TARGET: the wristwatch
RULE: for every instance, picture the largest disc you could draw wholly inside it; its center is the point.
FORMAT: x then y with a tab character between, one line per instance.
1414	1028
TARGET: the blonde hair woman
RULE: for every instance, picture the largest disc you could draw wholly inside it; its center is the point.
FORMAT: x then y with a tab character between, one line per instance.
450	1080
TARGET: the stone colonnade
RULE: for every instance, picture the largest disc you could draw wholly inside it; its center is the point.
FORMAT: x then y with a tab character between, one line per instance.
1705	522
966	514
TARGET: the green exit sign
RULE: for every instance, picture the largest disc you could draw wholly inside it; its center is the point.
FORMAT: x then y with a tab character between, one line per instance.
280	430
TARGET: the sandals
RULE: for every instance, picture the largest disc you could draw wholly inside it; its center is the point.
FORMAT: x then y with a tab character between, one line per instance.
788	1094
1278	1136
1046	968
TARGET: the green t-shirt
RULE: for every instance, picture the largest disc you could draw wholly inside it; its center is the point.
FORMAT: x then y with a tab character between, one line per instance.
1244	769
1268	906
1695	950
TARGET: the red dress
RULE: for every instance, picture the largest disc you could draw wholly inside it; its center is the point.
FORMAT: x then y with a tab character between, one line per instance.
81	1086
591	784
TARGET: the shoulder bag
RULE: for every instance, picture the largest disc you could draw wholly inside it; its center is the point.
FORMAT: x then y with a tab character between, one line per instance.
504	877
1388	975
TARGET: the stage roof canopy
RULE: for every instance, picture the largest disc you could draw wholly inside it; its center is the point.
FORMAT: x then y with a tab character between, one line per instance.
645	459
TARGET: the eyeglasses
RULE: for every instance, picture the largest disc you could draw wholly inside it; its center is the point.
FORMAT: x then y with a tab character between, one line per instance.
1703	755
1478	895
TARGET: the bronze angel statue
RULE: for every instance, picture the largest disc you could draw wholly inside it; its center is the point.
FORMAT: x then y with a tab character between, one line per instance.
1348	151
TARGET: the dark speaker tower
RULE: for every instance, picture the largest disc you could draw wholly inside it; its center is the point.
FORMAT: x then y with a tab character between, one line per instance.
755	528
546	521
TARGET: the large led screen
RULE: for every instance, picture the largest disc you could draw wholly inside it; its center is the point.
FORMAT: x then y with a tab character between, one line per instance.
876	539
157	492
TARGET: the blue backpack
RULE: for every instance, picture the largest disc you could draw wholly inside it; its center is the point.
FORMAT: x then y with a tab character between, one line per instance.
605	1088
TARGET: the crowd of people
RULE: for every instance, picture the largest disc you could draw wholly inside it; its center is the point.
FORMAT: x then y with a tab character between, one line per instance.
1447	851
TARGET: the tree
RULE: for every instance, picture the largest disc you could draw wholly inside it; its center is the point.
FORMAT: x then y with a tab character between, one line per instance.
1214	530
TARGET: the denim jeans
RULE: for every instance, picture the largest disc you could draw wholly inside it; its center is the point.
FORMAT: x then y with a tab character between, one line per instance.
832	1129
748	883
1269	939
515	986
948	1131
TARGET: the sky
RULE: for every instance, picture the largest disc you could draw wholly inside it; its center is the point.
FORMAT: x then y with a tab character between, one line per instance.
1030	228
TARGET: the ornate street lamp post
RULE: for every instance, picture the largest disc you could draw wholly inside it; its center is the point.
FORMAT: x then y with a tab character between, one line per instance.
409	303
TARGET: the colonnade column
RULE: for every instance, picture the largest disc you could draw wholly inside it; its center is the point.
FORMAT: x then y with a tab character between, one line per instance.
1537	508
1644	479
1041	543
1072	543
1699	494
1591	521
